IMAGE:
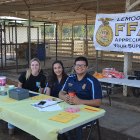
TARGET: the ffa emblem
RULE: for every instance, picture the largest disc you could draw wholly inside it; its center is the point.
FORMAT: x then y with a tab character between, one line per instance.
70	84
104	35
84	86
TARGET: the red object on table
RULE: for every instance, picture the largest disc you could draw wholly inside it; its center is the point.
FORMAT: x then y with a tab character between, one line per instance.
71	94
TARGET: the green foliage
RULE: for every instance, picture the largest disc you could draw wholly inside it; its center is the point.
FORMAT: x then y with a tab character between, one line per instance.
49	31
79	31
67	31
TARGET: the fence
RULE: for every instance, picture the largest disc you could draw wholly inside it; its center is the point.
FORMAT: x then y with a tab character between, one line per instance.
73	48
70	48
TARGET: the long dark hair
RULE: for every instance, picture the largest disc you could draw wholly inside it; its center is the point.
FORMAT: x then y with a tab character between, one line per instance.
54	76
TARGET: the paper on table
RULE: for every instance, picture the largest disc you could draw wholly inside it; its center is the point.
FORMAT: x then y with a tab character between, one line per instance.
50	108
91	109
64	117
46	103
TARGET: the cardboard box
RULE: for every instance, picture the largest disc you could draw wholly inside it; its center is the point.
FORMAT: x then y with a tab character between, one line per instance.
19	93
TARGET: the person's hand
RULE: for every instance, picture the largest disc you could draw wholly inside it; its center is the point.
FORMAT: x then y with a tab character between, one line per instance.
75	100
67	98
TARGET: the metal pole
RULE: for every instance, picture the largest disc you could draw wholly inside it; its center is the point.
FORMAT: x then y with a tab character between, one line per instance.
86	49
44	35
72	42
37	35
9	40
12	41
16	46
5	44
1	44
44	44
97	50
29	38
56	38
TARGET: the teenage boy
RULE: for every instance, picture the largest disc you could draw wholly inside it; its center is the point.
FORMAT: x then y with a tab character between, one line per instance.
87	89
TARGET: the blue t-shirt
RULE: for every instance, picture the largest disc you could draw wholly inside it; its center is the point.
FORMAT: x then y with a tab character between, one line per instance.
88	88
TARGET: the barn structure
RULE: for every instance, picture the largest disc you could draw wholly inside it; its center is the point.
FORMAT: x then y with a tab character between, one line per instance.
60	13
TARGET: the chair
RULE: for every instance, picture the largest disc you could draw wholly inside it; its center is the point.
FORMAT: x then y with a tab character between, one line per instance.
78	132
95	123
107	88
136	91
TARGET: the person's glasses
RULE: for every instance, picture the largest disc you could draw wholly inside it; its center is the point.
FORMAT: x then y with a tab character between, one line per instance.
80	65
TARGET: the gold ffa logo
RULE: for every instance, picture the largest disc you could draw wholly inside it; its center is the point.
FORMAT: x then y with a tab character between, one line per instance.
70	84
84	86
104	35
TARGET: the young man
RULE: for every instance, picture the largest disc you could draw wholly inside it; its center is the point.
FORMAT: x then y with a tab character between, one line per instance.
87	88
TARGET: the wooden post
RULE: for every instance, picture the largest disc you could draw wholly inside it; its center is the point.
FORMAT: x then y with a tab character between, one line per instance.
127	69
127	60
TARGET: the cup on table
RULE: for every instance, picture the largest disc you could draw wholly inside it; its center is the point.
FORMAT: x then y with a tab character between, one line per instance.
3	91
2	88
71	93
10	87
2	80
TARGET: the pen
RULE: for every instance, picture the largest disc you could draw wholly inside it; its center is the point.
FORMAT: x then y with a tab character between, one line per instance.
48	105
55	103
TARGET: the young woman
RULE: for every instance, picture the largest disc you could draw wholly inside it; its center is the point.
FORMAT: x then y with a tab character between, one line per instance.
57	79
33	79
